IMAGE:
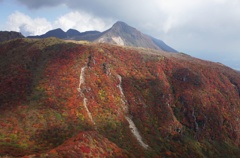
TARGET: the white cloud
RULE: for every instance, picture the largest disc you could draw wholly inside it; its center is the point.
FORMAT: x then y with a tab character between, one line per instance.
80	21
27	25
164	15
36	26
156	17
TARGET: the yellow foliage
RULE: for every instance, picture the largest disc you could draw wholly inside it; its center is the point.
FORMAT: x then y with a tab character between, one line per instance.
102	94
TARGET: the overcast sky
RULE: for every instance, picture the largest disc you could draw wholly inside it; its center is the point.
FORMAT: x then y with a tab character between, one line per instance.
207	29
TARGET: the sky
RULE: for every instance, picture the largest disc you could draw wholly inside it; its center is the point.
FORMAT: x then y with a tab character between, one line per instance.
206	29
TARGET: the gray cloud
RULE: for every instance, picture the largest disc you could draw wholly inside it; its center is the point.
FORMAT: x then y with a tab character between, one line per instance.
41	3
123	10
199	27
161	16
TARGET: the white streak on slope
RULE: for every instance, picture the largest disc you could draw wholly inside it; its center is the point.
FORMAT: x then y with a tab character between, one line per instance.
132	126
81	81
89	113
81	78
135	132
125	108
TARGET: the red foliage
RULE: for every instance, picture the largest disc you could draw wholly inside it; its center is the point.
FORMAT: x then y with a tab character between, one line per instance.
172	98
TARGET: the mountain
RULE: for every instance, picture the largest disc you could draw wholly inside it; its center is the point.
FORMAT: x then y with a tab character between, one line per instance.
58	33
88	36
61	99
8	35
71	33
120	33
162	45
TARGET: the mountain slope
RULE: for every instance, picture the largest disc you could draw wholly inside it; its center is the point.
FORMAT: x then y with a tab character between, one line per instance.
61	98
88	36
162	45
9	35
122	34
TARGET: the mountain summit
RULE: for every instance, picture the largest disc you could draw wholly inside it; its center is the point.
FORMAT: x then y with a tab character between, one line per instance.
58	33
72	32
120	33
123	34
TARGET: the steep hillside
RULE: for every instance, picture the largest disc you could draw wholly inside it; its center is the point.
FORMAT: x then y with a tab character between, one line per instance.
61	99
8	35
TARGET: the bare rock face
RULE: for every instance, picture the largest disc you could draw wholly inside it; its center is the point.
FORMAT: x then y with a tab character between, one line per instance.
6	35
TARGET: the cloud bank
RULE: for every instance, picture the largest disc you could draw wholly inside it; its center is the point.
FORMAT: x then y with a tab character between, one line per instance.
20	22
80	21
36	26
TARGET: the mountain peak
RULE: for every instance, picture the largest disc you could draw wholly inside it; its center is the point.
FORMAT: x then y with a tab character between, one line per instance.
122	26
59	33
56	30
120	23
123	34
73	32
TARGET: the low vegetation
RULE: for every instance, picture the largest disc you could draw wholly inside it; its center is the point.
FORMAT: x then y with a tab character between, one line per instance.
181	106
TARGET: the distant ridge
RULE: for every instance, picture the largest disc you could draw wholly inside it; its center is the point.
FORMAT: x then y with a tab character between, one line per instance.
120	33
9	35
71	34
58	33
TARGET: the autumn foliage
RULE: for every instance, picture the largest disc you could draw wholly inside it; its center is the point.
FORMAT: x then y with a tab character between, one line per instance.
181	106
